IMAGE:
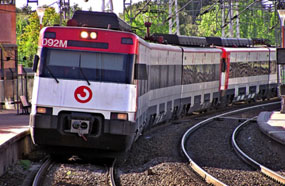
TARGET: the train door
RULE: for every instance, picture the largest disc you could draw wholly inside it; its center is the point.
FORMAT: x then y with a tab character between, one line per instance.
224	77
224	71
281	76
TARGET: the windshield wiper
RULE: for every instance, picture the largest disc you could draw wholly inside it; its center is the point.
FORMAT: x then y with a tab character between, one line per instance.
81	71
52	75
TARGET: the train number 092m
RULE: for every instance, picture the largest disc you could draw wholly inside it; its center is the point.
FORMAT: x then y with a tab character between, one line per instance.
55	43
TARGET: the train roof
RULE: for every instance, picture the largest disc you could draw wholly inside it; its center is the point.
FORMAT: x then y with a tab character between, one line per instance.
264	49
181	40
229	42
193	41
98	20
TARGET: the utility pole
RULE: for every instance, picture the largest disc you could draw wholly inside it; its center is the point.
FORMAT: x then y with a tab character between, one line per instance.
223	18
237	23
60	12
107	7
172	21
125	10
170	15
231	15
177	18
64	10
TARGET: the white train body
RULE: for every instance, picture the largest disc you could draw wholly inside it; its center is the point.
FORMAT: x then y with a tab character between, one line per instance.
101	91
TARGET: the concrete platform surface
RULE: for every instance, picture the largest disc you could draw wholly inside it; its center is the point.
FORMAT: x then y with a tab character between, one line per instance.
273	125
15	140
12	124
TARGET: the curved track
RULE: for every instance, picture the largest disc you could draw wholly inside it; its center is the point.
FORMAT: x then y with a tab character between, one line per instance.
268	172
40	176
209	178
112	173
46	166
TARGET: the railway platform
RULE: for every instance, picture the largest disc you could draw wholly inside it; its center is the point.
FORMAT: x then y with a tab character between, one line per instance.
273	125
14	138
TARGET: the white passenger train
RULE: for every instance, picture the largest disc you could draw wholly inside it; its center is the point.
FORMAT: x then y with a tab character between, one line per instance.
98	88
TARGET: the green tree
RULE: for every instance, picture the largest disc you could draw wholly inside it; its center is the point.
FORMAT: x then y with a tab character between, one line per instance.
254	23
21	22
151	13
28	34
188	16
187	27
208	26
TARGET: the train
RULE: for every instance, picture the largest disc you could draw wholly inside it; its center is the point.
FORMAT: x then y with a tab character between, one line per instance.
98	86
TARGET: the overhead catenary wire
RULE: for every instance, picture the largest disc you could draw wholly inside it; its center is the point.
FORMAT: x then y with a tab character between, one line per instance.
209	9
142	9
236	16
170	17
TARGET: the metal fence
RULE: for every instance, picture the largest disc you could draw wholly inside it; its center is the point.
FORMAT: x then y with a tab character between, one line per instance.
14	85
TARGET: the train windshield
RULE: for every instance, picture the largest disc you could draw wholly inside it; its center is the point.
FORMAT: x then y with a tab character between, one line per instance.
91	66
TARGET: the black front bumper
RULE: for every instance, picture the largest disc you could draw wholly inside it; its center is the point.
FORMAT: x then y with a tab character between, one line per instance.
113	135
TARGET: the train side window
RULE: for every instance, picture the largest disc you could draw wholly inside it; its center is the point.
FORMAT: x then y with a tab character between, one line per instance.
178	71
273	67
163	76
217	72
171	75
167	76
140	71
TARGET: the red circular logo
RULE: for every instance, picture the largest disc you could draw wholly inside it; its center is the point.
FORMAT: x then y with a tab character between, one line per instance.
83	94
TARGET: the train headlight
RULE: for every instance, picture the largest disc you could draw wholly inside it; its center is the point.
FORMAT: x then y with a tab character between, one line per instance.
119	116
44	110
84	34
93	35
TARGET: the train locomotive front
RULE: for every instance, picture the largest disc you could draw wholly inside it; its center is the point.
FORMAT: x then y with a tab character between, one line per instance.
84	92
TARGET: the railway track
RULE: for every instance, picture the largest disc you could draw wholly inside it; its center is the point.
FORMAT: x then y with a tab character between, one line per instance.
203	163
262	168
48	167
40	176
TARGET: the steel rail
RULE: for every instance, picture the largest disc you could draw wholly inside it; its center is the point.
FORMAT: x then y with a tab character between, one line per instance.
38	180
112	172
209	178
266	171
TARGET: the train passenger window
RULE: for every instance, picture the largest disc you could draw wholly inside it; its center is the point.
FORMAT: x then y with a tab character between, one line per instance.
232	70
171	75
256	67
178	72
217	72
273	67
163	76
264	67
154	77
